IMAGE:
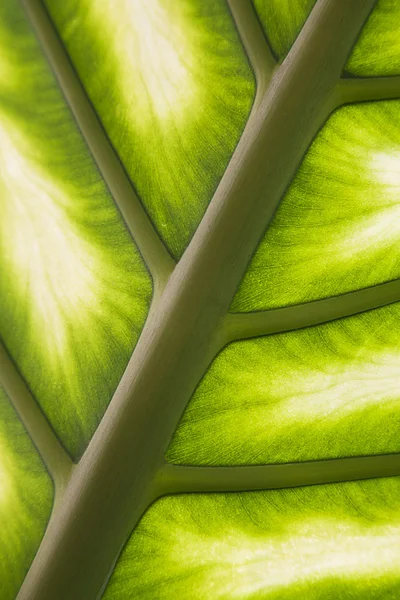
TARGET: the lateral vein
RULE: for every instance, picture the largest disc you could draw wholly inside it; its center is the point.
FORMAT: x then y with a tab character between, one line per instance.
255	43
56	459
178	479
247	325
155	254
367	89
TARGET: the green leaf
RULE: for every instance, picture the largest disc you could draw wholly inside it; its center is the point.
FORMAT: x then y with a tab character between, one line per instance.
316	393
282	21
173	94
336	541
377	52
336	229
74	287
26	496
98	99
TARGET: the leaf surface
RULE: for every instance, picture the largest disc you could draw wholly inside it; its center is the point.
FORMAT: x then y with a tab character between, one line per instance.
73	286
282	21
377	51
336	541
337	228
173	89
26	496
161	91
321	392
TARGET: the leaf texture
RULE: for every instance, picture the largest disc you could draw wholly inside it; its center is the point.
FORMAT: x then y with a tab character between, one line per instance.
377	52
26	496
337	228
73	286
169	91
321	392
282	21
330	542
173	92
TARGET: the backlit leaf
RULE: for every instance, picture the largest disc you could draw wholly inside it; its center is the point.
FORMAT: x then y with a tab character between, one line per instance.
173	92
26	496
325	542
320	392
377	52
74	287
337	229
162	90
282	21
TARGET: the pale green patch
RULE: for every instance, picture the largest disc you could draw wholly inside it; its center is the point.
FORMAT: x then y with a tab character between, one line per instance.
377	51
330	542
282	21
338	227
173	89
47	254
26	496
387	168
75	291
321	392
161	69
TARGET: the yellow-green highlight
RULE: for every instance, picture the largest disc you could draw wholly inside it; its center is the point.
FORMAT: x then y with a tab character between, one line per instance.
377	51
338	227
318	393
325	542
173	89
26	497
282	21
74	289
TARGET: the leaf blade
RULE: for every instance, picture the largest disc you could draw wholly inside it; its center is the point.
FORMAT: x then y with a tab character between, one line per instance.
73	284
322	392
26	496
181	92
310	542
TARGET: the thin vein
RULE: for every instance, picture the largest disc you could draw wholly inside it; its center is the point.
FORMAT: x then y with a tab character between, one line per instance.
247	325
255	43
174	479
368	89
56	459
155	255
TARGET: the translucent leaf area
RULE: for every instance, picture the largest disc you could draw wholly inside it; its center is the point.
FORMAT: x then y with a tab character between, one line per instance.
377	51
282	21
173	88
74	290
321	392
26	497
327	542
338	227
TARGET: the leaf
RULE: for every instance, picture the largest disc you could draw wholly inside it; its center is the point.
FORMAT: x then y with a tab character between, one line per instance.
273	330
319	542
74	286
173	95
282	21
377	52
26	495
335	230
316	393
